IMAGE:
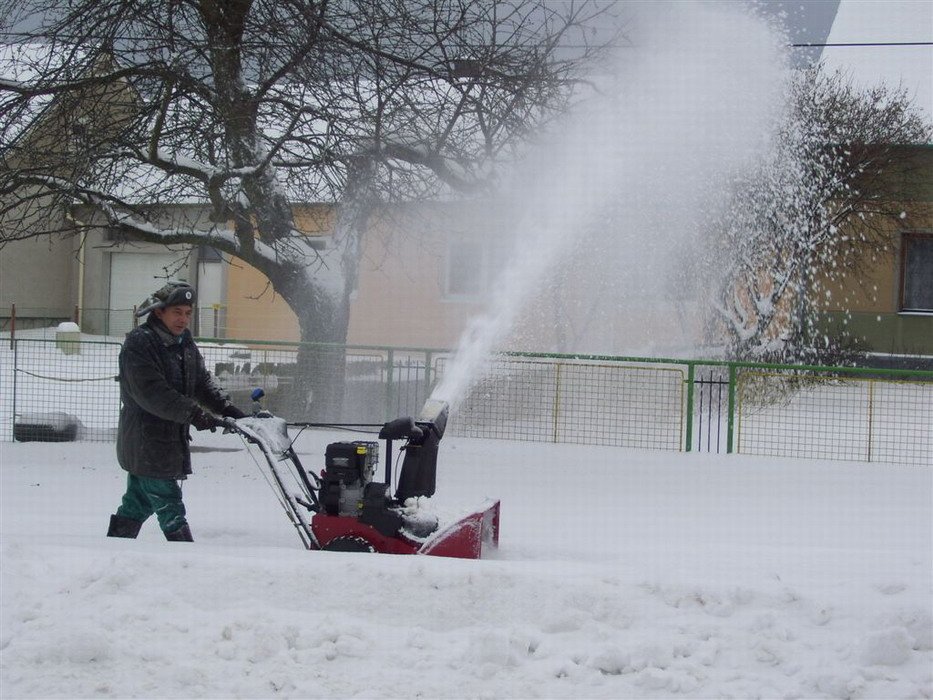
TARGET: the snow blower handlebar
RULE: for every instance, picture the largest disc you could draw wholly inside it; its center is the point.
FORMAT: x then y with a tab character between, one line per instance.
269	434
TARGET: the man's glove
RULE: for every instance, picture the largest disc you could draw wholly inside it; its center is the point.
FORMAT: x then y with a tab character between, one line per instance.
202	420
231	411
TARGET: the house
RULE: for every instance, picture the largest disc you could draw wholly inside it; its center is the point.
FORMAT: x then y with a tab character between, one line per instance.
888	306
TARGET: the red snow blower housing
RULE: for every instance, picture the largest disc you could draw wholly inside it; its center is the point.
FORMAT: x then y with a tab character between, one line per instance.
354	512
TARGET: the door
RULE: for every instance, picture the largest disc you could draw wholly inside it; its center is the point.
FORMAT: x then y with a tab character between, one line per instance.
133	277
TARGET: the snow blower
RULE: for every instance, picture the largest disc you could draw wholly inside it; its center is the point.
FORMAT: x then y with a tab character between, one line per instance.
352	511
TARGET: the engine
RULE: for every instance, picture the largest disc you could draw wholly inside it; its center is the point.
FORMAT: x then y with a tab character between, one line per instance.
348	468
347	486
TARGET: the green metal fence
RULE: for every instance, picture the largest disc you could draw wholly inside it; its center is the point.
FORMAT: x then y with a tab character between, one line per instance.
381	382
575	401
846	416
654	403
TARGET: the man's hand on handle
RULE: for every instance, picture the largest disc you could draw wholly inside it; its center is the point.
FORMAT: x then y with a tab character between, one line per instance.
202	420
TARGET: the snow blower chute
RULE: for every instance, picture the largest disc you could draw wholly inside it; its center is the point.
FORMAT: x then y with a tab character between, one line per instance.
352	511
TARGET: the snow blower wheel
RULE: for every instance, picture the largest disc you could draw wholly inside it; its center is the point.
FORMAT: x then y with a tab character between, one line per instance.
348	543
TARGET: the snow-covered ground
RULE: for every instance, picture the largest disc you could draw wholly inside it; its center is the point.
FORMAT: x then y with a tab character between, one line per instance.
621	573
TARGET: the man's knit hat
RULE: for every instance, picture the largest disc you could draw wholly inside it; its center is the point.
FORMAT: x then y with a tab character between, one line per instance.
171	294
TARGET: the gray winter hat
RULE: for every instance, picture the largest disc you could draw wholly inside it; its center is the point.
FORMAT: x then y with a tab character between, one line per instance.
171	294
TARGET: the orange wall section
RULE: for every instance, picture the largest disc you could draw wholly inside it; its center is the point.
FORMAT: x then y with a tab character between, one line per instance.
398	301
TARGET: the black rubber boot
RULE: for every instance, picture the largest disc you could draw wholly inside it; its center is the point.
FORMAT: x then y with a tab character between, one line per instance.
123	527
182	534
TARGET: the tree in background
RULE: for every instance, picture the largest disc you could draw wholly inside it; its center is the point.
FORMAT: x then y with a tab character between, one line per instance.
252	106
816	210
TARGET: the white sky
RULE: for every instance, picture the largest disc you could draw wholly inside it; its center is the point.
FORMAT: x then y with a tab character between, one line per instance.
886	21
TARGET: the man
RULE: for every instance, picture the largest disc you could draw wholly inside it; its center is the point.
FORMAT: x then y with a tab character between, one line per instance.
163	385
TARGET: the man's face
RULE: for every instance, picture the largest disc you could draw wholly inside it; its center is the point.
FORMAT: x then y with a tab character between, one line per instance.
175	318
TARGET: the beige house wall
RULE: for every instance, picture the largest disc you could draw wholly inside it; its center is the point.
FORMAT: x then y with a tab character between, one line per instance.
37	275
876	288
398	300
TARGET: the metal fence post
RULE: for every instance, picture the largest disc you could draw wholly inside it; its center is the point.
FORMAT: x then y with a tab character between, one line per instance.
730	418
390	383
689	438
556	398
14	348
428	356
871	410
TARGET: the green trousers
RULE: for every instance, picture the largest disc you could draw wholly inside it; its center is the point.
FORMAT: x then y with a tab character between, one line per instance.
145	496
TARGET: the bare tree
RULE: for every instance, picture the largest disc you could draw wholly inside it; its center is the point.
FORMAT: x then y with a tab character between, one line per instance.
252	107
816	210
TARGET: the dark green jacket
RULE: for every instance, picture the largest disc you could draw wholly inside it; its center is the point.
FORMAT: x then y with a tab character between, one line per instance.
162	380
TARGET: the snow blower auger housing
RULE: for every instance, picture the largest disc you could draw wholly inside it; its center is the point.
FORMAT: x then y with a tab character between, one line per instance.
351	510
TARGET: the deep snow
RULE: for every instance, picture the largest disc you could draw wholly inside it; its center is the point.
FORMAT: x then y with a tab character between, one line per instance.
621	573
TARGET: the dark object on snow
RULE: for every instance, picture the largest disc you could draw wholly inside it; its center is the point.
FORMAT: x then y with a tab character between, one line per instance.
182	534
46	427
123	527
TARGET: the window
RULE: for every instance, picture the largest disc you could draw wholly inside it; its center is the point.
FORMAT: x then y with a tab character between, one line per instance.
917	272
466	271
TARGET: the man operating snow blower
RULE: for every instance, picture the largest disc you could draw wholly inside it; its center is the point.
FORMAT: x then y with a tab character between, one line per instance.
164	389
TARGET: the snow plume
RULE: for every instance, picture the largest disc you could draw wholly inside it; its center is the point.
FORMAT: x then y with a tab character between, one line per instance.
614	195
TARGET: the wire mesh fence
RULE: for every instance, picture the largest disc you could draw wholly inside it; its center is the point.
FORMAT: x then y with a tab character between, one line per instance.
379	383
63	388
67	389
575	402
796	413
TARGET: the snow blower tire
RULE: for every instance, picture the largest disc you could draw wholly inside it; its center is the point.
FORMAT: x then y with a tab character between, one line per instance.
349	543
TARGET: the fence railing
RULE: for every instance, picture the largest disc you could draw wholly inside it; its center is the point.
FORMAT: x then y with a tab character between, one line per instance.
670	404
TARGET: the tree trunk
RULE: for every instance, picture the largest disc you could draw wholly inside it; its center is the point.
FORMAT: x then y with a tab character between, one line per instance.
315	391
320	384
323	313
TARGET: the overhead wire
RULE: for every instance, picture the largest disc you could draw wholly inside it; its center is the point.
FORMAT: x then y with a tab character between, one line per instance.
796	45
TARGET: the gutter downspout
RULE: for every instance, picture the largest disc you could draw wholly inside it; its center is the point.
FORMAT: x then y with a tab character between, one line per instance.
81	248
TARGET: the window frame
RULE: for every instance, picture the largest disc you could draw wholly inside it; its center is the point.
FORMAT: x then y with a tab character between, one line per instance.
906	239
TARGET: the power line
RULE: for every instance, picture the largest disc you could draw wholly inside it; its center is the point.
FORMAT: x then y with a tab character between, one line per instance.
804	45
868	43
